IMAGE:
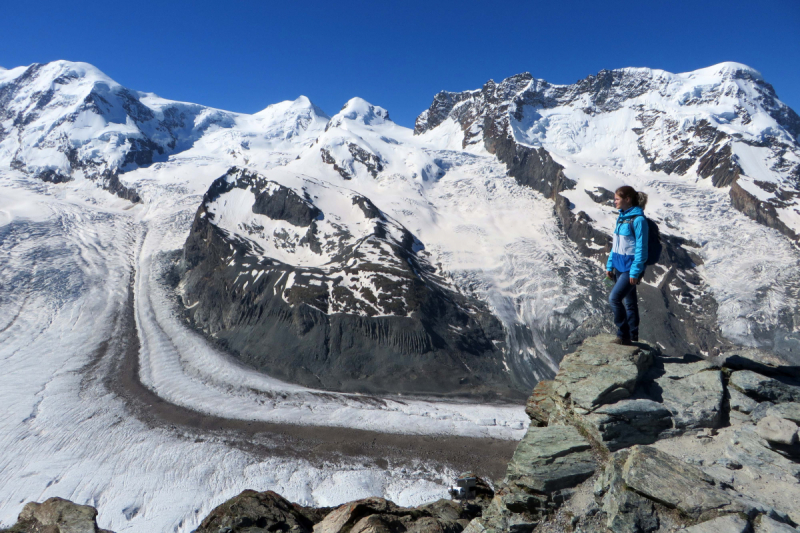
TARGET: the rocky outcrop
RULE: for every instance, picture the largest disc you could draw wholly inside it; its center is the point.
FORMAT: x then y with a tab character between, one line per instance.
604	449
56	515
371	315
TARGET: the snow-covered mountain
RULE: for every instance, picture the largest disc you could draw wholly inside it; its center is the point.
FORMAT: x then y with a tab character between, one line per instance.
464	257
351	253
64	121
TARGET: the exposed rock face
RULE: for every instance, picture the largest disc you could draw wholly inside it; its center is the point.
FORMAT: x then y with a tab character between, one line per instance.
57	515
362	313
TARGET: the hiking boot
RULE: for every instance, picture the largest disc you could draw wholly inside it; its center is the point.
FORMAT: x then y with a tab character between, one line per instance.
634	338
620	340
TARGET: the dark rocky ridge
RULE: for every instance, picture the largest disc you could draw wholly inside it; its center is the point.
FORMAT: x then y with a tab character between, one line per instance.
684	319
417	335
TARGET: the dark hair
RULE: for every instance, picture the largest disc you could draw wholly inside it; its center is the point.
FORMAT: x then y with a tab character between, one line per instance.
637	199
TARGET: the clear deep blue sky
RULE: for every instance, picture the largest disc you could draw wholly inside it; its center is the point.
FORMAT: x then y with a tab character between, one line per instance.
244	55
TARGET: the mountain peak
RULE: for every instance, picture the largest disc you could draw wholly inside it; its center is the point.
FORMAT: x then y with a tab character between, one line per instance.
301	105
360	110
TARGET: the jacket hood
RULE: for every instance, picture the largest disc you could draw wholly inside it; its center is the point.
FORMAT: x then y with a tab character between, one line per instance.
631	212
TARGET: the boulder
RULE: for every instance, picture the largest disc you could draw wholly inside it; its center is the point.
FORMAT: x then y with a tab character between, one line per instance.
600	372
630	422
551	458
694	400
741	402
377	515
57	515
764	388
777	430
347	516
724	524
788	411
663	478
765	524
265	510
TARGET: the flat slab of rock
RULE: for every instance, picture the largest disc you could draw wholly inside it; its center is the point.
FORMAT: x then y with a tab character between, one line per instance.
600	372
630	422
723	524
663	478
551	458
763	388
765	524
788	411
694	400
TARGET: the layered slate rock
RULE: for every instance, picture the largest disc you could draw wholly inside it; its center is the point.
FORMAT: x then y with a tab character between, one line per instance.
674	483
630	422
57	515
551	458
260	511
694	399
298	293
625	510
600	372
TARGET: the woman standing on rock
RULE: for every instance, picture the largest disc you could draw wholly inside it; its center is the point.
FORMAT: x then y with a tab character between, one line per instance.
626	262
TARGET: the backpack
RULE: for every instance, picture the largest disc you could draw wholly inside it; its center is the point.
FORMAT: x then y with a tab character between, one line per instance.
653	242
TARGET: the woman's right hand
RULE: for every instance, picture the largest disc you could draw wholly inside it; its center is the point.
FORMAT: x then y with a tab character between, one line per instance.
610	275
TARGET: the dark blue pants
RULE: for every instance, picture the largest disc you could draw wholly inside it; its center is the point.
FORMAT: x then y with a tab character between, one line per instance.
625	307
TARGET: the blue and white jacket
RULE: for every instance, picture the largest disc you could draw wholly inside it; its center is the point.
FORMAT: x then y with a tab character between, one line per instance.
629	251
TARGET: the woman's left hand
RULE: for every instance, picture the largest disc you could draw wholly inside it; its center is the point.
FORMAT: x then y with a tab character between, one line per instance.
634	281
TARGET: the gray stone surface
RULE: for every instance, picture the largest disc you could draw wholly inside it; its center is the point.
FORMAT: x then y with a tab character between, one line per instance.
760	411
788	411
764	388
663	478
551	458
630	422
777	430
747	448
741	402
626	511
695	401
684	370
765	524
724	524
600	372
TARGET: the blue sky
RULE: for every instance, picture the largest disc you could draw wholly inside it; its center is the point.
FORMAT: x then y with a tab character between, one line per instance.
245	55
